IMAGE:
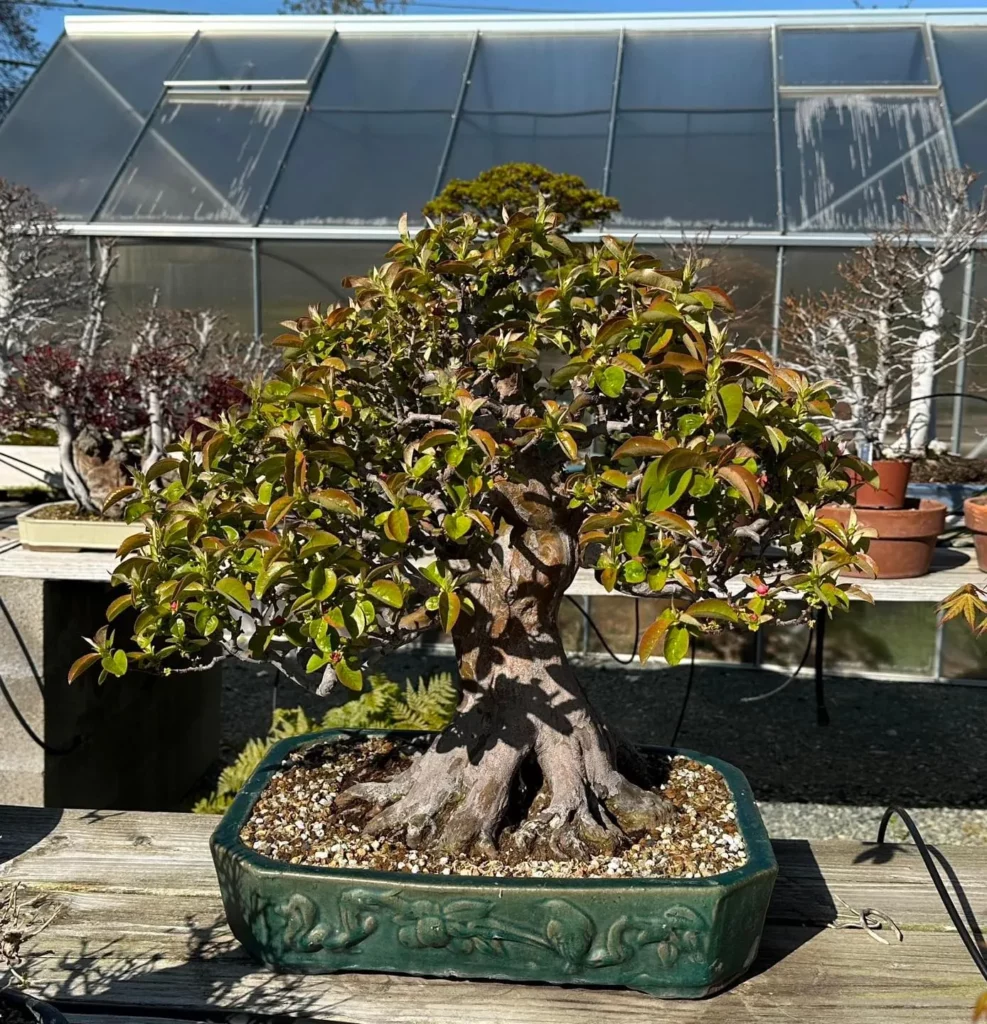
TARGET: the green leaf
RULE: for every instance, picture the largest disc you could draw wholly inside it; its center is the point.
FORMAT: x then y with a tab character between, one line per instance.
633	536
449	608
351	678
322	583
662	494
80	665
633	572
690	423
161	467
456	525
651	637
233	590
115	663
676	644
732	400
713	608
611	381
388	592
117	606
118	495
397	526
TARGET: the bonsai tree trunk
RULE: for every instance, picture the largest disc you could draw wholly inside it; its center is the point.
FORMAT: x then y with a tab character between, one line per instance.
522	705
916	438
72	480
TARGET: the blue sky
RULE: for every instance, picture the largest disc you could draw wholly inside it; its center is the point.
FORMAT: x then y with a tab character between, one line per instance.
50	21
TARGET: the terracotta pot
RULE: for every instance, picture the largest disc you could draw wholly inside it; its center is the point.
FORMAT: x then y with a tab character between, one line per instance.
890	491
975	517
906	537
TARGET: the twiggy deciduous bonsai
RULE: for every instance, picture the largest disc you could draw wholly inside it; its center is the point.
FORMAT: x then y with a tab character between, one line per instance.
414	464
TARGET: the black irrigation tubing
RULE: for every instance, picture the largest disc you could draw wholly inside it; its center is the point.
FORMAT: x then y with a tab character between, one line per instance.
791	679
26	726
637	631
972	947
685	697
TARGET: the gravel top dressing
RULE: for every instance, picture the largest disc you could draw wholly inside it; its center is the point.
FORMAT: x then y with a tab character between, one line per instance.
295	820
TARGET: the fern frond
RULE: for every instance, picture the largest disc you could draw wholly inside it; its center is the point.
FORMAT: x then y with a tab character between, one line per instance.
427	707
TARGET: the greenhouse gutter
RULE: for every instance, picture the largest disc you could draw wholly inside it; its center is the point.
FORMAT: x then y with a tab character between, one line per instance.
210	230
369	24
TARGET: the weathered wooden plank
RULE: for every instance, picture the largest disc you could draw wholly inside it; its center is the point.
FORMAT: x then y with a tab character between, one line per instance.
951	568
142	926
116	851
801	975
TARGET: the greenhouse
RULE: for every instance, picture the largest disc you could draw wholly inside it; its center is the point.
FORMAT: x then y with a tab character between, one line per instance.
249	163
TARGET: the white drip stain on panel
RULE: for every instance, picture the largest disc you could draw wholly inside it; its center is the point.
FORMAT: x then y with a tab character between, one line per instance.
854	151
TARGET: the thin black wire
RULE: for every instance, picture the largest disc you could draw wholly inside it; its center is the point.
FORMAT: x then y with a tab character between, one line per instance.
637	631
791	679
685	697
976	955
26	726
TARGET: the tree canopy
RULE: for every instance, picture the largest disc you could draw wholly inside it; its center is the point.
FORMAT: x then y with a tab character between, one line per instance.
478	379
513	187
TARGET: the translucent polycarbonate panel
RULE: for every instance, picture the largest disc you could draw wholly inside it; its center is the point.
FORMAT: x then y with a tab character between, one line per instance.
296	275
816	270
353	168
971	142
963	67
205	160
70	130
537	99
189	275
395	74
573	144
847	159
695	150
369	148
974	433
853	56
252	57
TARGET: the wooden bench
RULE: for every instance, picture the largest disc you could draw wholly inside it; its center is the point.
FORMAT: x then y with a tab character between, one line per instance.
142	938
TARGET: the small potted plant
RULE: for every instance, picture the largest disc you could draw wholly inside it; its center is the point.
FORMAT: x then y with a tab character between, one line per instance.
884	337
412	465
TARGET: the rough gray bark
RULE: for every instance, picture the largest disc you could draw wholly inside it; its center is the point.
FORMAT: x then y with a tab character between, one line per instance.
521	703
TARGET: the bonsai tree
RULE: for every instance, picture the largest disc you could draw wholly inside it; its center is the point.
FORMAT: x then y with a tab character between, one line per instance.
42	276
411	465
882	335
508	188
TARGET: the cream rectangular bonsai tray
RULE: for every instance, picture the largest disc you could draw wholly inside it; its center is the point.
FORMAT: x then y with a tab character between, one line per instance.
71	534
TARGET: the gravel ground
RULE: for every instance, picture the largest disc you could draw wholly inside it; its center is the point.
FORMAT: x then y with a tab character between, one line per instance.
918	745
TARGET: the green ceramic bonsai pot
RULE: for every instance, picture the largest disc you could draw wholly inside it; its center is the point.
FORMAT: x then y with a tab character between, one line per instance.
683	938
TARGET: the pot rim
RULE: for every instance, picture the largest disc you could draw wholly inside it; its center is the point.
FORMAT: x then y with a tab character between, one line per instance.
226	837
29	513
925	521
975	513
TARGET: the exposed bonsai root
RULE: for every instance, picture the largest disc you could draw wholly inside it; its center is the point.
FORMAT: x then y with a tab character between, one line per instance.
453	803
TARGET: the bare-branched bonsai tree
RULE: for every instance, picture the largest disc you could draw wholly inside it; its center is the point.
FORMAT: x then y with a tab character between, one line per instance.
885	335
412	465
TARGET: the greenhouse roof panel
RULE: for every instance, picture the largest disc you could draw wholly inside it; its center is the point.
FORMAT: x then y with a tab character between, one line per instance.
690	121
73	125
252	60
853	56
